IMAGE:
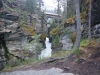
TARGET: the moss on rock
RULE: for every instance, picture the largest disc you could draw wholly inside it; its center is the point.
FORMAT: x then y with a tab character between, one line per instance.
43	37
29	30
72	19
54	31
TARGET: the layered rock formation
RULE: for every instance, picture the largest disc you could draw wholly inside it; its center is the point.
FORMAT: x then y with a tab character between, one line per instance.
17	40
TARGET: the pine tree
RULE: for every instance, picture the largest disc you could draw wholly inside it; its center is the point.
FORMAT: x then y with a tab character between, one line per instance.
31	6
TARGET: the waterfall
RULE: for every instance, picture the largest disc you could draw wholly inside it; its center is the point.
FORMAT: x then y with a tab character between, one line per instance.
47	51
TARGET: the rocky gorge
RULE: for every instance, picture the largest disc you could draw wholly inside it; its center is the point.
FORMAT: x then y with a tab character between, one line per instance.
23	35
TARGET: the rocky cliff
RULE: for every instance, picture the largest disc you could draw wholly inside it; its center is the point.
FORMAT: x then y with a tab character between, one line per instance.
95	12
17	40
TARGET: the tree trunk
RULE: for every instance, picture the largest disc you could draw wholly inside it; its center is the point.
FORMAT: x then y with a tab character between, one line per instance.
78	20
66	7
58	7
58	10
30	16
89	28
65	10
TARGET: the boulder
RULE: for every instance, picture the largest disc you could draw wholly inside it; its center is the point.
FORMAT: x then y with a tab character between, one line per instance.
13	62
67	43
57	47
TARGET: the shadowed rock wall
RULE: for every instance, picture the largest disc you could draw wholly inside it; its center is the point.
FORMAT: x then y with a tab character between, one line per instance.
95	12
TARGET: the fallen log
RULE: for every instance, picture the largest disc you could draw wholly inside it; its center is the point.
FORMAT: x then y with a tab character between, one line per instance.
51	60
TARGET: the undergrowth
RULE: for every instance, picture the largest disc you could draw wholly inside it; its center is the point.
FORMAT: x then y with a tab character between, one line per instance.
84	42
62	53
22	63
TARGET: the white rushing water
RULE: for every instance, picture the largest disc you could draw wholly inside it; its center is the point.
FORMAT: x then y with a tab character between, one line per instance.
47	51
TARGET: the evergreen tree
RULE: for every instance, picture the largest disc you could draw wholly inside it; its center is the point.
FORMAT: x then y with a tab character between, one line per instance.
40	3
70	8
56	40
31	6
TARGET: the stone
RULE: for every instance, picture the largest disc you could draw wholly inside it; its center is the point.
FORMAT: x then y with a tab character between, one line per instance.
13	62
51	71
5	31
9	17
67	44
14	35
50	39
1	66
7	22
57	47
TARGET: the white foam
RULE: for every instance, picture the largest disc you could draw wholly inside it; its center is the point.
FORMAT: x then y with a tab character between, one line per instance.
47	51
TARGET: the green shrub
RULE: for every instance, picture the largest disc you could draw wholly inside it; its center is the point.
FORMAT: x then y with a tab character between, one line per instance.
84	42
53	25
62	53
30	61
56	40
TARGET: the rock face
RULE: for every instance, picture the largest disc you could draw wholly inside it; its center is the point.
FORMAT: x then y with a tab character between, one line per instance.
57	47
15	33
15	42
11	35
95	12
96	30
67	43
15	38
6	28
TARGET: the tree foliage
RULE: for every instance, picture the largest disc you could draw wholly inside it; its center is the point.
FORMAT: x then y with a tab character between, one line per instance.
56	40
40	3
70	9
31	6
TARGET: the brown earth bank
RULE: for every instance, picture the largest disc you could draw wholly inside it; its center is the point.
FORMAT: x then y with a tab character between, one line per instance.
86	63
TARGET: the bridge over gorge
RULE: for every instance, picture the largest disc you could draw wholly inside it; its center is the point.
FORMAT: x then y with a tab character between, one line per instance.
57	18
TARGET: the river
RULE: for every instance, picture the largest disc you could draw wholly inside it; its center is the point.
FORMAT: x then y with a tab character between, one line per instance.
47	51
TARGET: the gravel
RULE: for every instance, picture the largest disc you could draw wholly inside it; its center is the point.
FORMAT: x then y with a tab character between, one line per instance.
52	71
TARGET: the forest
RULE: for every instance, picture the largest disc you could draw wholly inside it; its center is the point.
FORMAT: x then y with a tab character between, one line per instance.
37	40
